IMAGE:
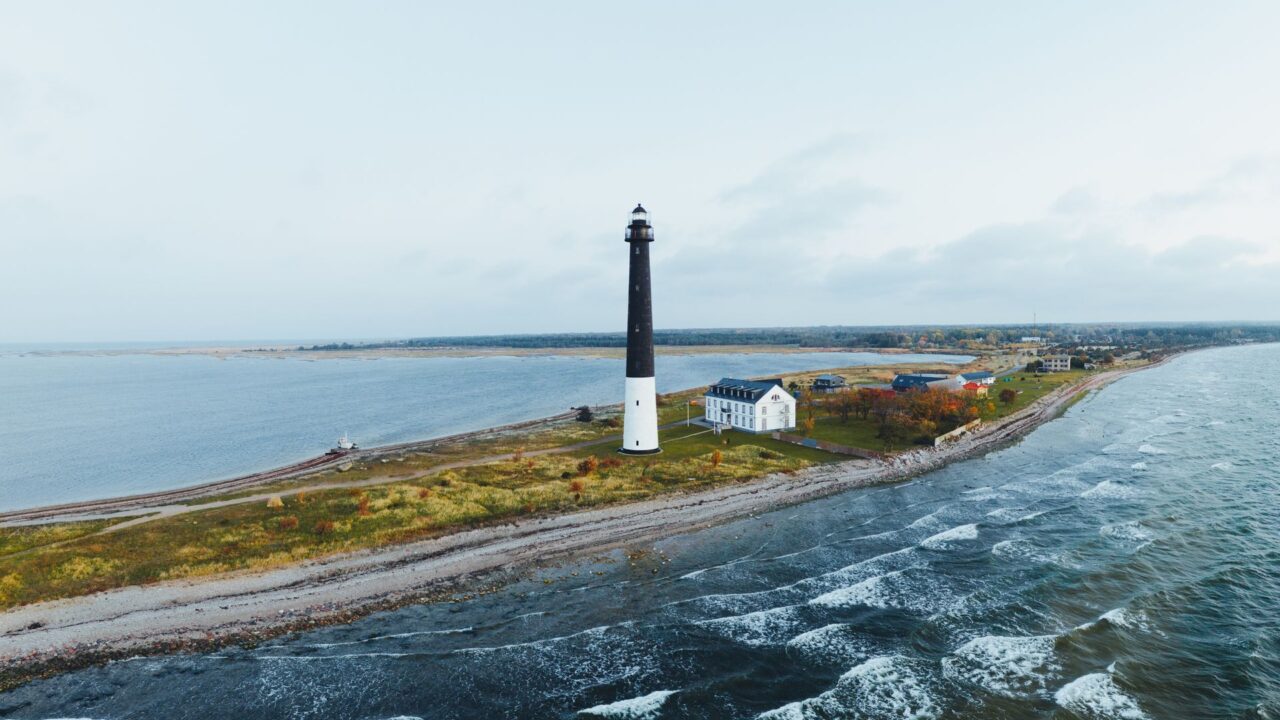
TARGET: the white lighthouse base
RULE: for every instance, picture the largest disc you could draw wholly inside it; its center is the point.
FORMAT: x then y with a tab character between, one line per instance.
640	417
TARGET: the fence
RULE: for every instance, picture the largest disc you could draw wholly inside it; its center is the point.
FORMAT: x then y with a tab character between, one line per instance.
948	436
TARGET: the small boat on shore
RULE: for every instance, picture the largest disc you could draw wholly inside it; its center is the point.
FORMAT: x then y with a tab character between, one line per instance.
345	445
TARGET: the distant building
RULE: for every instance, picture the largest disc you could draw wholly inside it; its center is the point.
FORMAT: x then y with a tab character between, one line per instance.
904	382
1032	339
982	377
976	388
750	405
1055	363
827	383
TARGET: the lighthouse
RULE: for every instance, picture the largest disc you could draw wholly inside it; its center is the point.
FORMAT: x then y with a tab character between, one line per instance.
640	416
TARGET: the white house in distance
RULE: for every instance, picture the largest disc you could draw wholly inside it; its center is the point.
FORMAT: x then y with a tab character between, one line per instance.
750	405
1056	363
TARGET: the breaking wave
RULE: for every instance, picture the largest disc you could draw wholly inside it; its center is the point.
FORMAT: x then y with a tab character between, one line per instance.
882	687
1005	666
1097	697
637	708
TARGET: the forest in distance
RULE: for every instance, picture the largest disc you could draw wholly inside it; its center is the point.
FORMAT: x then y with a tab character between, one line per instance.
1144	336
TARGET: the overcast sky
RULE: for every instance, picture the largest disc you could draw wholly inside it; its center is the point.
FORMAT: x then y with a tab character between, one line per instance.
223	170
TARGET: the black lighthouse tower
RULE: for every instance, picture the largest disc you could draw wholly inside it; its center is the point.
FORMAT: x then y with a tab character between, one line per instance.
640	414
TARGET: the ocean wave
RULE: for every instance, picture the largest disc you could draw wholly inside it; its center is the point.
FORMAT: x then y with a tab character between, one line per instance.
947	538
1225	466
1109	490
830	644
757	629
1005	666
1020	549
392	636
1097	697
1129	533
912	588
1120	617
637	708
1138	466
1148	449
882	687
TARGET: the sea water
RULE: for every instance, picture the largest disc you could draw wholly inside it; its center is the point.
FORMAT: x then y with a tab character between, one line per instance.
85	425
1076	574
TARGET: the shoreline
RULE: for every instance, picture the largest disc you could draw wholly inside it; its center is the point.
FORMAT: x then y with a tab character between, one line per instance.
187	616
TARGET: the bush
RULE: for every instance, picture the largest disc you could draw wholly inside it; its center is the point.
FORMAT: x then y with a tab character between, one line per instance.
576	487
611	422
424	493
716	458
288	522
588	465
769	455
362	508
324	527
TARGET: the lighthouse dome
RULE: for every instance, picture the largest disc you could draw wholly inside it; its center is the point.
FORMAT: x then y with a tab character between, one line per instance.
639	215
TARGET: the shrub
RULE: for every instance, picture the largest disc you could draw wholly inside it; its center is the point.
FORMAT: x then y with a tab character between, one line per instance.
566	475
324	527
576	487
424	493
362	508
588	465
611	463
275	503
288	522
716	458
769	455
610	422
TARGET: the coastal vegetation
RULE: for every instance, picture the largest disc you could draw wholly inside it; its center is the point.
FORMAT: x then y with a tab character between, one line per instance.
482	480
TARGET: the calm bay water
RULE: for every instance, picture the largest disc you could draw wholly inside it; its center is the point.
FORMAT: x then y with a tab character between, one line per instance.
1120	562
84	426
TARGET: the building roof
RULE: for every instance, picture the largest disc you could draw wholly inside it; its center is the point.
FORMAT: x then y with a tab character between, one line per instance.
1057	357
979	375
735	389
829	378
971	386
908	381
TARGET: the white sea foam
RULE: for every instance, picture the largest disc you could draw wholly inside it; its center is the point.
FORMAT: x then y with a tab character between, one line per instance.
911	588
1097	697
449	631
692	575
1224	466
1147	449
930	519
1138	466
1120	617
1129	533
949	538
882	687
835	643
1006	666
1108	490
637	708
1020	549
757	629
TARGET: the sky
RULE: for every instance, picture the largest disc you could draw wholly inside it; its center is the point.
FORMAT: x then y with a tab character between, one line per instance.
243	170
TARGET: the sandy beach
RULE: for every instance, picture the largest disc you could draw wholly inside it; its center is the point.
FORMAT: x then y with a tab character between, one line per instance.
172	616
